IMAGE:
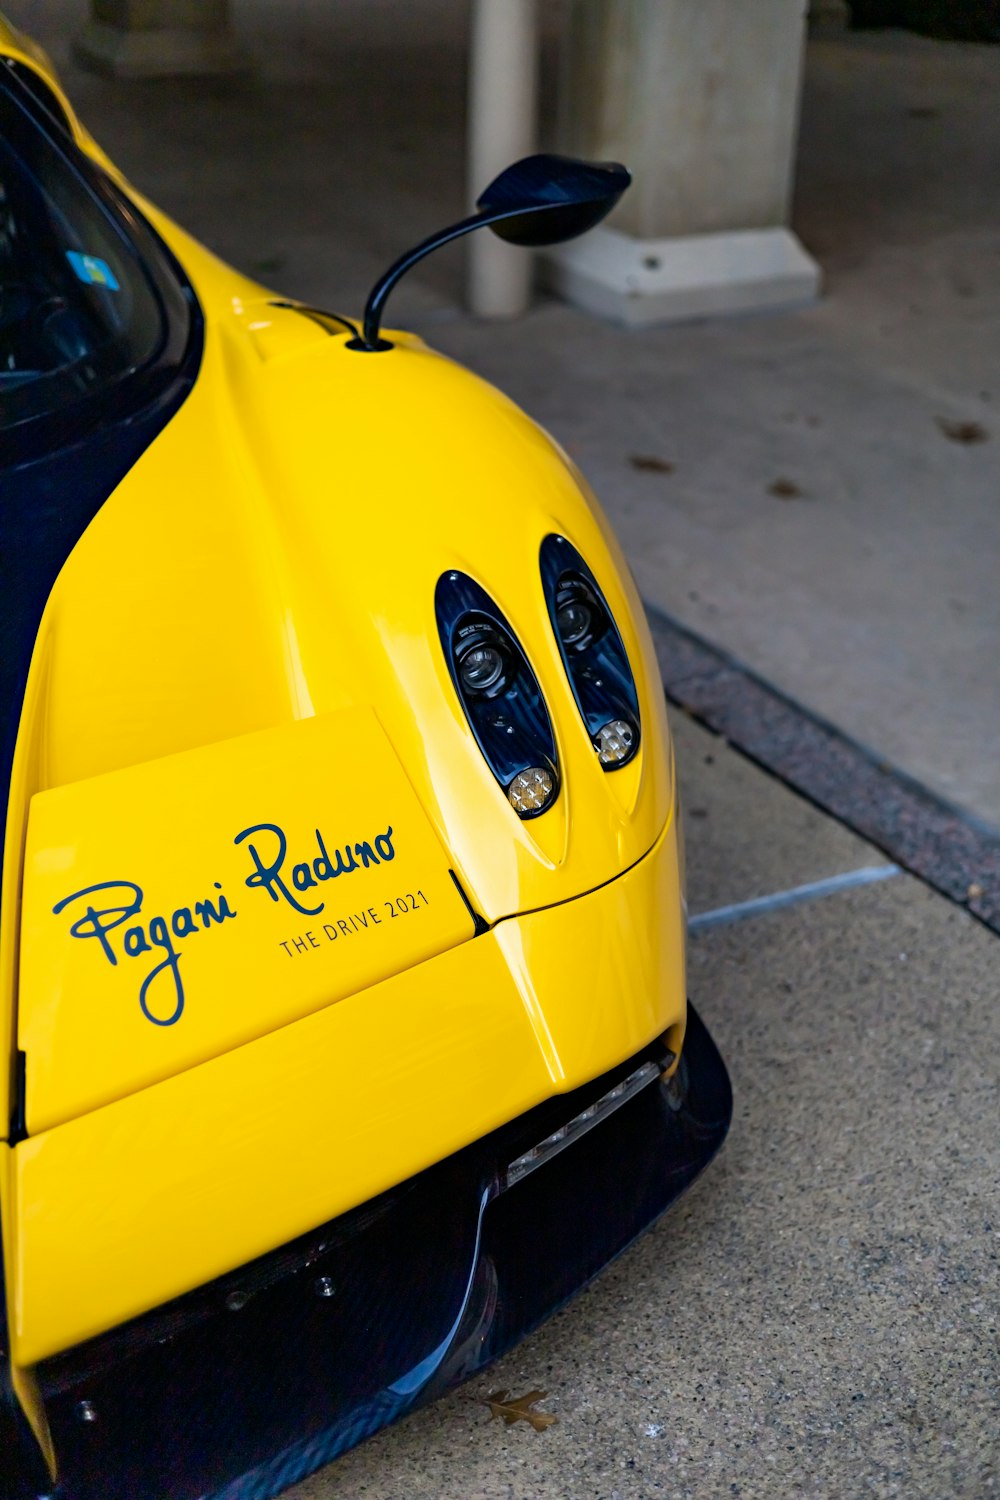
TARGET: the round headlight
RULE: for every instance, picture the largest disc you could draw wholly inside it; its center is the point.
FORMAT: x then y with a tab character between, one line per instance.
573	621
614	742
579	617
481	668
530	790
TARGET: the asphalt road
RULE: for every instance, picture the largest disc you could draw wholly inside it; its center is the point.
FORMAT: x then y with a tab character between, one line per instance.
818	1317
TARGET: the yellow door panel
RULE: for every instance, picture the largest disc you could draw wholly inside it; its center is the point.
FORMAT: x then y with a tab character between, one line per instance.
181	907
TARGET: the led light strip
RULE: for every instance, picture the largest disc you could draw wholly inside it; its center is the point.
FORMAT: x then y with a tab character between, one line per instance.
622	1092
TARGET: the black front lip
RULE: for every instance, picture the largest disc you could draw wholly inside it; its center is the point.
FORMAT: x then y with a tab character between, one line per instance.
245	1386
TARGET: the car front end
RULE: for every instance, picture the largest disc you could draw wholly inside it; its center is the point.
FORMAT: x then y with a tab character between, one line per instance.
343	922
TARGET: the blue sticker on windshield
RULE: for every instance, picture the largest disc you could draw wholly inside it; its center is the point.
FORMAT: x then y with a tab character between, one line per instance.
93	270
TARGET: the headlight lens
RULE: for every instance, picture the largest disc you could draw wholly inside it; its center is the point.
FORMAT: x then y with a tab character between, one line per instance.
481	668
573	622
614	742
580	618
530	790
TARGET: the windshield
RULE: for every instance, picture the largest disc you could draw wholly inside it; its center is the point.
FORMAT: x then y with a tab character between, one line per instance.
81	309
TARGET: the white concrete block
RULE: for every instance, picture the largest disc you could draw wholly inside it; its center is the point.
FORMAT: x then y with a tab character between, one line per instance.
638	282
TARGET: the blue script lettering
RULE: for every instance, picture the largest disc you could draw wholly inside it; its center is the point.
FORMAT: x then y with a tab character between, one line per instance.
93	923
97	922
160	935
268	875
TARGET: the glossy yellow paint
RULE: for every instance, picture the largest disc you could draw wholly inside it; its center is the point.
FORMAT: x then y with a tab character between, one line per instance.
261	579
181	907
273	556
265	572
137	1202
23	1381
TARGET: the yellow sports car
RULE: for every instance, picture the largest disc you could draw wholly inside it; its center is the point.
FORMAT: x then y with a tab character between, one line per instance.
342	928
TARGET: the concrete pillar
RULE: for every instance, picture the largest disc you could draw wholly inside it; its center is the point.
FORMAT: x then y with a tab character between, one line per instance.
503	73
159	39
700	99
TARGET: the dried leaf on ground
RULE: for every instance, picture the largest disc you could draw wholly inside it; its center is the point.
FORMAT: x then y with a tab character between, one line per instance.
963	432
648	463
518	1409
786	489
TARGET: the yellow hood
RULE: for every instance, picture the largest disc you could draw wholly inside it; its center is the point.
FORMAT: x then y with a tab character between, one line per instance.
272	560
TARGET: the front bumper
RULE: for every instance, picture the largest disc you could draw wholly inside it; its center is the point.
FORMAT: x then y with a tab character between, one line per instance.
120	1211
244	1386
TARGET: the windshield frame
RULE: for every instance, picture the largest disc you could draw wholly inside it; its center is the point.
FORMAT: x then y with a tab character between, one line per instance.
133	387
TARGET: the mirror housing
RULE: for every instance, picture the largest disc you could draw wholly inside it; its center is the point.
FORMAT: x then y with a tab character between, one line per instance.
546	199
540	200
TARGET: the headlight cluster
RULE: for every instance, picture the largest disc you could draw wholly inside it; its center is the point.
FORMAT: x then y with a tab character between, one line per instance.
592	652
501	695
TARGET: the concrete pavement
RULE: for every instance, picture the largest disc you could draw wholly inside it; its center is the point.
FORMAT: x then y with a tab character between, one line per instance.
825	501
819	1316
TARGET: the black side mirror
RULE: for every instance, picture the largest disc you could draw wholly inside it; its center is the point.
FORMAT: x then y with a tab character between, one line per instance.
545	199
538	201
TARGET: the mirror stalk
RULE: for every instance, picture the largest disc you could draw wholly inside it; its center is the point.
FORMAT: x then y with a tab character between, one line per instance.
541	200
371	341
